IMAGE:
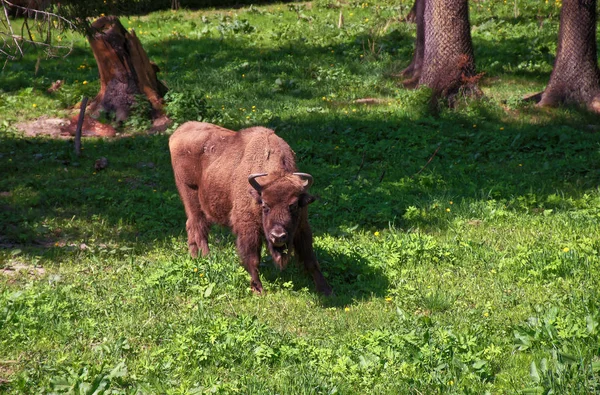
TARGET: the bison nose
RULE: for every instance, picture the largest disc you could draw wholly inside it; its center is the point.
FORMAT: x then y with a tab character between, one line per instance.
278	237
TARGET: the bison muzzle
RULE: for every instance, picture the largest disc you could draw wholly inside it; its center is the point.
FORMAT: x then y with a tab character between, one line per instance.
247	181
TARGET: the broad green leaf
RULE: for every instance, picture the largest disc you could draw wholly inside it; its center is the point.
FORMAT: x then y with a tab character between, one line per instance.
533	372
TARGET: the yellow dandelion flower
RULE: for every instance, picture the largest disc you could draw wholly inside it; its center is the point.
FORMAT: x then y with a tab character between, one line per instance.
347	309
34	105
84	82
501	128
474	126
448	209
376	234
388	299
451	202
566	249
195	269
486	314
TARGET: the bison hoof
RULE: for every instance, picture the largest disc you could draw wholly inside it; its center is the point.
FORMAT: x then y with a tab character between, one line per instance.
256	287
326	291
193	250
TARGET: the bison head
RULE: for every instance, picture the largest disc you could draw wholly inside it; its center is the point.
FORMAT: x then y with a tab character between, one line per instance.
283	199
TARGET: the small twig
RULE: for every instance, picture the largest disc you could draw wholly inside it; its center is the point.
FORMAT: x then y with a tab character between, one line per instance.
79	125
8	34
10	25
381	177
39	12
362	163
429	161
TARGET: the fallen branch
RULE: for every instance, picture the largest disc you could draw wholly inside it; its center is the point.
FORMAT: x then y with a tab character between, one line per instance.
79	125
11	45
428	162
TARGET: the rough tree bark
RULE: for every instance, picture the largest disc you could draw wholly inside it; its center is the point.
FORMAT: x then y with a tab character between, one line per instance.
447	63
125	71
575	77
413	72
448	60
411	17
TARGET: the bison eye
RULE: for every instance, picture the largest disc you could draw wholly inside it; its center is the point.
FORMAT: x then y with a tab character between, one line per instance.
265	208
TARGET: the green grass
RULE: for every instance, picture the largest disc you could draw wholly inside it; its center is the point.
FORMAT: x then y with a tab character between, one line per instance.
463	247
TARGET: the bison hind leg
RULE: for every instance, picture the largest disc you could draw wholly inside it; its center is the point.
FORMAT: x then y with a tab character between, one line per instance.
197	231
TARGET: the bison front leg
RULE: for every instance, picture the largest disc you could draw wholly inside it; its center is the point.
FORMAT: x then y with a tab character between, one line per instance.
303	245
249	246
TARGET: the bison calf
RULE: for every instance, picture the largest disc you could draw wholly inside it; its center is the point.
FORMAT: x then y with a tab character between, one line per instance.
247	181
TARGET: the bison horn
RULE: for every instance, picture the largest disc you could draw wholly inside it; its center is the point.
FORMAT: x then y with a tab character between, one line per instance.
306	177
254	183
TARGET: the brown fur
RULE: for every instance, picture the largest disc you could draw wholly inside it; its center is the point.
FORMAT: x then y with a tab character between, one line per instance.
211	166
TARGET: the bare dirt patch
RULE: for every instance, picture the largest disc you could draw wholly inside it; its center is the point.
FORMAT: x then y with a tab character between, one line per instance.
14	268
64	128
44	126
7	369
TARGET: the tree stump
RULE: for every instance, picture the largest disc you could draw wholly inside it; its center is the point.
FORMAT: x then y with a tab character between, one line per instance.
126	73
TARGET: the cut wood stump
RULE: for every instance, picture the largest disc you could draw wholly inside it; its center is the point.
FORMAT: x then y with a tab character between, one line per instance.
126	72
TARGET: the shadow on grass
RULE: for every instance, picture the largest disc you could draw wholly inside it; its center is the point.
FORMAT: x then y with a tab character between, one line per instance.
368	171
351	276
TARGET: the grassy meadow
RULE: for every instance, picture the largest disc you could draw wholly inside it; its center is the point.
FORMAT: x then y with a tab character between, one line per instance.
463	245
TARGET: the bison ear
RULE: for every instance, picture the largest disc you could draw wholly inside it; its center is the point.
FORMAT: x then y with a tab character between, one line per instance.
305	199
255	194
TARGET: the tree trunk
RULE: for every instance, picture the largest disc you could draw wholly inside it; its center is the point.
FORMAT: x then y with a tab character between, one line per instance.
413	72
126	73
448	61
575	77
411	17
